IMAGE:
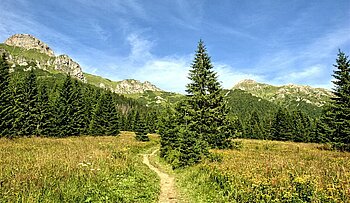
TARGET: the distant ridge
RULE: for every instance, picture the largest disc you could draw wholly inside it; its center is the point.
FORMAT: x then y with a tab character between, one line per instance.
286	93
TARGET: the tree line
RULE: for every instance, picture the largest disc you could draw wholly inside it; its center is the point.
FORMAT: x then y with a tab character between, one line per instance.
33	103
281	125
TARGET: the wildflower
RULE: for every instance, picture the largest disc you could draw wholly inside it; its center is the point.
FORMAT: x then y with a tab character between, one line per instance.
82	164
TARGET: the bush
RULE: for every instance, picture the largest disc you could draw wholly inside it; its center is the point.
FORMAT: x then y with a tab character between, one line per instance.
142	137
215	157
237	144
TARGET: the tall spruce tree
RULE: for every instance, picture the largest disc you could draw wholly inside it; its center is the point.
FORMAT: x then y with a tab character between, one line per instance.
31	104
301	127
254	129
25	103
200	121
206	106
112	115
105	119
45	117
64	110
140	128
90	100
79	106
336	119
6	116
281	128
167	130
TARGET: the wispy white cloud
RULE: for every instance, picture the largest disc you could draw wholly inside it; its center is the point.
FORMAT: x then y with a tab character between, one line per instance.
310	73
311	64
171	73
168	73
229	30
188	14
230	76
100	32
140	48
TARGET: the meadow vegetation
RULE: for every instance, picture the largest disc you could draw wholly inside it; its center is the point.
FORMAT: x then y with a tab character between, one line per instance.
76	169
269	171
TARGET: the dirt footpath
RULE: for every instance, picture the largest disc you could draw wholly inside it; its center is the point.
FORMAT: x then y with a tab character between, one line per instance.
167	187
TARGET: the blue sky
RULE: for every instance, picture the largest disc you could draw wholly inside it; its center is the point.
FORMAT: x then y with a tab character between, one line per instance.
271	41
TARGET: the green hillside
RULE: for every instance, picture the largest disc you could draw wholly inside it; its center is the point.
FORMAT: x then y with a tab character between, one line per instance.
306	98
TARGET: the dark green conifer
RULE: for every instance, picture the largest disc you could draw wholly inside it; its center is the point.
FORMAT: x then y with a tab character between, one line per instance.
64	120
191	150
140	128
45	117
6	114
254	129
336	119
301	127
281	126
238	127
79	106
112	116
26	103
167	130
105	119
206	106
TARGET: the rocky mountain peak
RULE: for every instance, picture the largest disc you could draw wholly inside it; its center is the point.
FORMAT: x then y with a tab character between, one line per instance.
131	86
61	63
249	81
28	41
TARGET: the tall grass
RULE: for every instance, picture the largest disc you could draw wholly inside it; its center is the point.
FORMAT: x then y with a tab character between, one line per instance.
76	169
270	171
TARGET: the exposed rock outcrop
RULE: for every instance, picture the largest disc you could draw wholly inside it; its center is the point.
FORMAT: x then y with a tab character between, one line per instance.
27	41
66	64
298	93
131	86
46	60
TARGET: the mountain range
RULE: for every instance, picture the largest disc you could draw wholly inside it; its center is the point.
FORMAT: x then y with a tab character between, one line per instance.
25	51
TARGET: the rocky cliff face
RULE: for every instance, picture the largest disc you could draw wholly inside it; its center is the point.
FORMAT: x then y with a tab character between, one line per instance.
65	64
128	86
30	50
134	86
27	41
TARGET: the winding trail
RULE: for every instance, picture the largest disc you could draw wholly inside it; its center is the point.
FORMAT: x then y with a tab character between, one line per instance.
167	188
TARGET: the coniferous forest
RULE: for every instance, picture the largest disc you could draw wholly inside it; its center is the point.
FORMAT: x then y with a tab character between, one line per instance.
34	103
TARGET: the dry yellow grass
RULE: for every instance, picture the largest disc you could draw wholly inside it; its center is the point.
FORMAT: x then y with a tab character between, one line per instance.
272	171
76	169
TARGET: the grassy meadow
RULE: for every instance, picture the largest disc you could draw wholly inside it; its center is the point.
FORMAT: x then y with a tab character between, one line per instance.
269	171
76	169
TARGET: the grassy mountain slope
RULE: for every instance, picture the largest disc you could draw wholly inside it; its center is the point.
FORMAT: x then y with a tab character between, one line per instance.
305	98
